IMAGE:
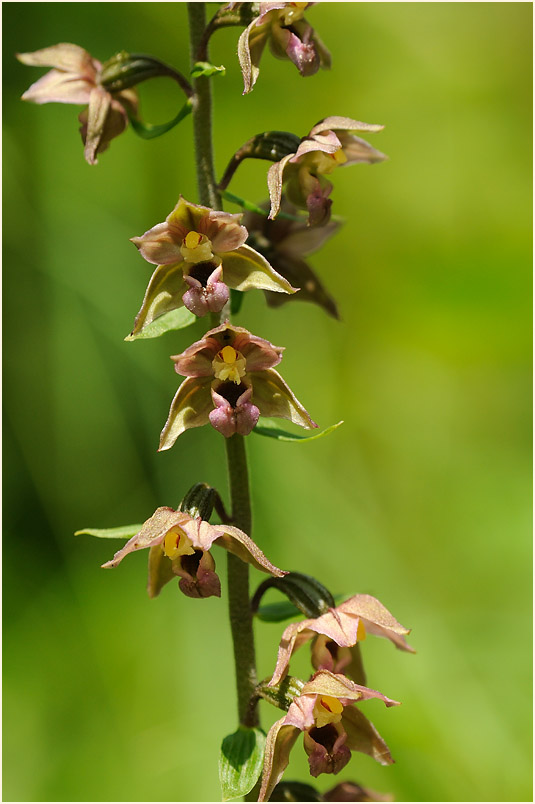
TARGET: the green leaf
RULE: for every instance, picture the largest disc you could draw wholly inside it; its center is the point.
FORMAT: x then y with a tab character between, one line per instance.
201	68
148	131
124	532
175	319
240	762
273	431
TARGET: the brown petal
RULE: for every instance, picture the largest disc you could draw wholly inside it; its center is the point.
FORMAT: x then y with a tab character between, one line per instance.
236	541
279	742
363	736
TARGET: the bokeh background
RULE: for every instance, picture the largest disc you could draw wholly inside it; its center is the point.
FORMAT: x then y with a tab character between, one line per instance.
422	498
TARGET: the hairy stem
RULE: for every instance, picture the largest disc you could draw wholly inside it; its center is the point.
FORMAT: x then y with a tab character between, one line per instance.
202	114
238	572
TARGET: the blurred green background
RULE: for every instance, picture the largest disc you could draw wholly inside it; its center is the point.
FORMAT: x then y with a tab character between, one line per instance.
422	498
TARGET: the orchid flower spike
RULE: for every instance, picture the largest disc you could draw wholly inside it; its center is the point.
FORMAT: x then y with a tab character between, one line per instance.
230	382
331	725
75	78
180	546
330	144
290	37
336	632
200	254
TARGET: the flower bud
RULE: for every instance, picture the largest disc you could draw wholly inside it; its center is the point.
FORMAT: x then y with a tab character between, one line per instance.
199	501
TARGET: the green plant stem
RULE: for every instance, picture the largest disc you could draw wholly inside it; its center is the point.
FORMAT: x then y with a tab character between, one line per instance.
238	572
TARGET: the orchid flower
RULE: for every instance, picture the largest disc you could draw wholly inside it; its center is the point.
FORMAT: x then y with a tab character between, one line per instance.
180	546
290	37
230	382
75	79
200	254
345	626
330	144
331	725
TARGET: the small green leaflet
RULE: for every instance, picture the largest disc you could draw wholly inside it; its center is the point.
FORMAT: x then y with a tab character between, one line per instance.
272	431
175	319
124	532
240	762
250	207
204	68
148	131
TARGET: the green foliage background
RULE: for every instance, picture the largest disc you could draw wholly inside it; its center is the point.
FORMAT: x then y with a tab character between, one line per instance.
422	498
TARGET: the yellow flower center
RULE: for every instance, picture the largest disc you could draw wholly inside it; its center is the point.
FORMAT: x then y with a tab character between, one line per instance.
229	364
196	247
361	631
327	710
326	163
177	543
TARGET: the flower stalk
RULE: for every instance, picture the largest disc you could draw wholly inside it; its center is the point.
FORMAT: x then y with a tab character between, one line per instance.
240	616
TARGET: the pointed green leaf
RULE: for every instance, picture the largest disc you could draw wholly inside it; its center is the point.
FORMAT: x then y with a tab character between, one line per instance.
174	319
201	68
240	762
273	431
124	532
148	131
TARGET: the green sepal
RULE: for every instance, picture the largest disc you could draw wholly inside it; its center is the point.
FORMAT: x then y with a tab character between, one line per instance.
240	762
148	131
204	68
236	301
295	791
124	532
272	430
174	319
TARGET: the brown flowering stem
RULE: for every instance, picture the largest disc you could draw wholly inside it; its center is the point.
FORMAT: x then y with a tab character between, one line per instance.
202	114
238	571
241	620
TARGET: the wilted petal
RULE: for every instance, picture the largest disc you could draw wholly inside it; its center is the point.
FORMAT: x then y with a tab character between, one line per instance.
59	87
152	533
245	268
189	408
164	293
363	736
303	240
279	742
115	122
237	542
274	398
327	143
